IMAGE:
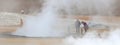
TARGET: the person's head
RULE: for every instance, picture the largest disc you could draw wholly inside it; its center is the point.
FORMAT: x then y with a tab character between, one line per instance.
83	21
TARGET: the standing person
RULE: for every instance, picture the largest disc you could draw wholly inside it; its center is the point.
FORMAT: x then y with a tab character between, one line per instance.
77	26
85	26
22	12
82	29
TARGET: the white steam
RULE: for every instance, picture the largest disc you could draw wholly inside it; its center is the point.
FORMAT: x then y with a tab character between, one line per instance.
43	25
112	39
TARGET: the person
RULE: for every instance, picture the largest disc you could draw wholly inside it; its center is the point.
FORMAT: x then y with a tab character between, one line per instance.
85	26
22	11
82	29
77	26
